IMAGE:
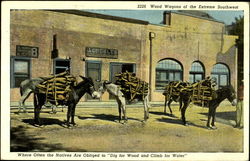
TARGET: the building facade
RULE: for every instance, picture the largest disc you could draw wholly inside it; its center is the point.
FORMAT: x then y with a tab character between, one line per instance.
185	47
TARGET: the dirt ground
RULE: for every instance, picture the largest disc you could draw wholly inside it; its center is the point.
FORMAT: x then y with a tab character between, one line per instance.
98	130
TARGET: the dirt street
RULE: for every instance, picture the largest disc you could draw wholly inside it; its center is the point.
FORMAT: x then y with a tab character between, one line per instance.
98	130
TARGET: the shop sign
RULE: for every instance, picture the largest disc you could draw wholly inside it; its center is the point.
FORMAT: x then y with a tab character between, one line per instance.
27	51
101	52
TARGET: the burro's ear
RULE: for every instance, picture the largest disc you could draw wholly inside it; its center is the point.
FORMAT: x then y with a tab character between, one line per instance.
107	82
82	77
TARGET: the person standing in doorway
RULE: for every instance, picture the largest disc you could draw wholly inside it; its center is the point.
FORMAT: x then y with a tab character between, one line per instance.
239	107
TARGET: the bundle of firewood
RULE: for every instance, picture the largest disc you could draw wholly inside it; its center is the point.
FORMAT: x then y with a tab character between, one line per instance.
57	87
174	88
203	91
131	86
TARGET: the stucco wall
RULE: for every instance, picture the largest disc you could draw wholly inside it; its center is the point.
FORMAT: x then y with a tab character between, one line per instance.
186	40
190	39
74	33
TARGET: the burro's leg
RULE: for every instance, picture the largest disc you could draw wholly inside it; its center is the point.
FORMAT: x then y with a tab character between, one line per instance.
183	111
73	115
146	107
209	117
25	95
37	109
213	118
169	103
69	113
123	108
165	104
119	107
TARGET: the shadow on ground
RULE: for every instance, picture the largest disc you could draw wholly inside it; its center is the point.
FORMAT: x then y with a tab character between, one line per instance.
224	115
106	117
20	141
45	121
162	113
176	121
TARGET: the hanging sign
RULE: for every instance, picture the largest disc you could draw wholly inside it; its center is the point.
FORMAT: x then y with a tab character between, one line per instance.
27	51
101	52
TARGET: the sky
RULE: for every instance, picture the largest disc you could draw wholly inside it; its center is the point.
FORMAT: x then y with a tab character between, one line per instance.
156	16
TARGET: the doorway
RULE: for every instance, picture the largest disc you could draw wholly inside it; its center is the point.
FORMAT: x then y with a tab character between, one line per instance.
93	70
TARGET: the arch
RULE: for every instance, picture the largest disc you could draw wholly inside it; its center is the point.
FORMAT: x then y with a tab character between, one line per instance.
168	70
197	72
221	73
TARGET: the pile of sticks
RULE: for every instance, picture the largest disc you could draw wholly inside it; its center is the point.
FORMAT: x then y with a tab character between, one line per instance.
173	88
203	91
131	86
57	87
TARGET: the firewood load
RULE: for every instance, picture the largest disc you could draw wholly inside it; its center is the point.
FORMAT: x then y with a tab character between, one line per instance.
57	87
201	92
131	86
173	88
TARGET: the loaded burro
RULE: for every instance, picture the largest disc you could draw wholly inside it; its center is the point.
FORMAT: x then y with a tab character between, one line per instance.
63	89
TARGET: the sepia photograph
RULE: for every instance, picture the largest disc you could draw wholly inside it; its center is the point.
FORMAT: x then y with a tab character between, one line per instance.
125	81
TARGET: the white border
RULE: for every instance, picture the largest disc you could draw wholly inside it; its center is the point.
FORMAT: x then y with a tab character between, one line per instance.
5	68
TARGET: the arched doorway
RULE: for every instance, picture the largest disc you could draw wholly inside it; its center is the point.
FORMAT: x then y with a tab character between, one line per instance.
168	70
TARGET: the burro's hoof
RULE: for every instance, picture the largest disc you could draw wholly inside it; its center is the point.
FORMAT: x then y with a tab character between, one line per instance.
213	127
38	125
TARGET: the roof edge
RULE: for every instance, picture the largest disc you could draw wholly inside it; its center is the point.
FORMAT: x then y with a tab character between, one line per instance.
102	16
187	14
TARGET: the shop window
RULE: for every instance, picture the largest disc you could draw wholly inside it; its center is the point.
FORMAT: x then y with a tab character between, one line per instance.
196	73
166	71
60	65
221	74
20	70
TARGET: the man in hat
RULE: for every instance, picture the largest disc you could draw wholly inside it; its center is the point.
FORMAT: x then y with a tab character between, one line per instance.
239	107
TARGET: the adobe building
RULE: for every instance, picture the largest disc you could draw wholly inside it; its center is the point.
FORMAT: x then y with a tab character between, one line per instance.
188	46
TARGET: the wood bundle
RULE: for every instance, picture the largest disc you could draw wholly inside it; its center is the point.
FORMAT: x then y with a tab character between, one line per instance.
174	88
203	91
57	87
131	86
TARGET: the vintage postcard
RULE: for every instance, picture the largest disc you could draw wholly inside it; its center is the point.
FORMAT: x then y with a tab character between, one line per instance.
113	80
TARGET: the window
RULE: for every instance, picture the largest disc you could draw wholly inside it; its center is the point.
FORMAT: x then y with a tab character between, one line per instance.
20	70
196	73
116	68
94	70
168	70
221	74
60	65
